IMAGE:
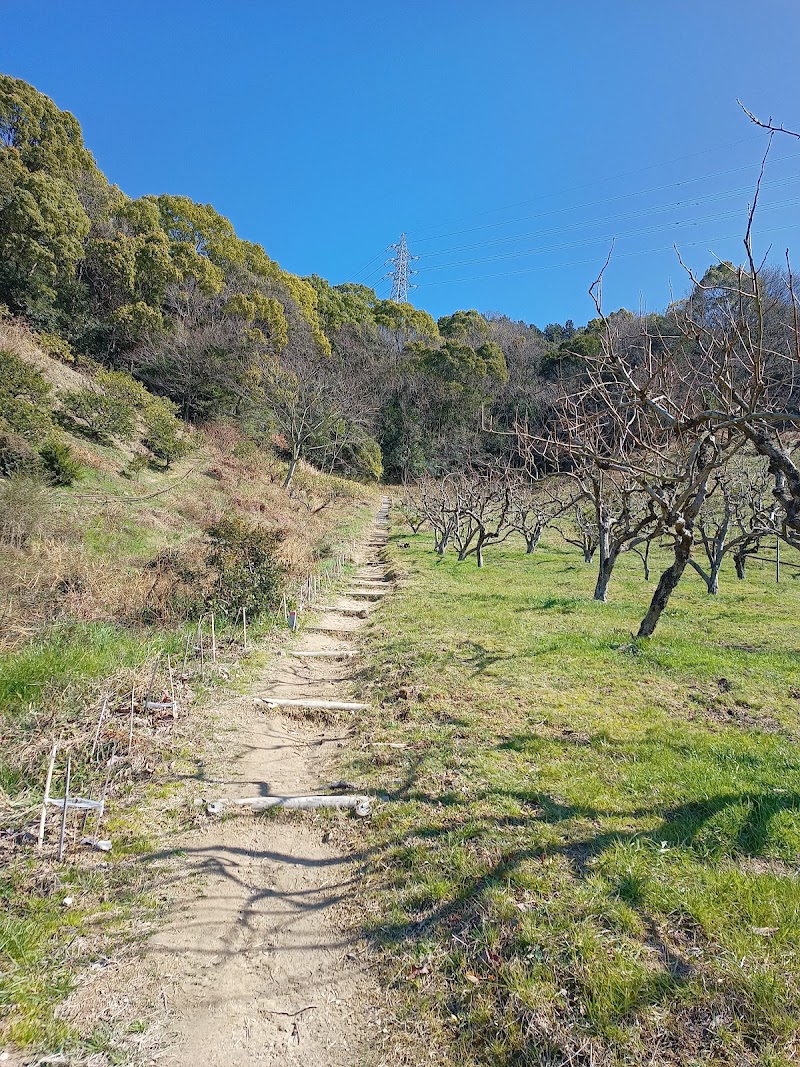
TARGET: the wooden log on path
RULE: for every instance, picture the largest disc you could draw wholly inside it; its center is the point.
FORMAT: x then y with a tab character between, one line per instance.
329	705
336	653
360	805
76	803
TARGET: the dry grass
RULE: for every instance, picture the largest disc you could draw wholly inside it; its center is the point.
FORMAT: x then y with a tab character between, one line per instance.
20	340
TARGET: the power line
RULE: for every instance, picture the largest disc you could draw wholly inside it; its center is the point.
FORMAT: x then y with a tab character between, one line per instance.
596	182
366	265
604	200
585	262
622	217
607	237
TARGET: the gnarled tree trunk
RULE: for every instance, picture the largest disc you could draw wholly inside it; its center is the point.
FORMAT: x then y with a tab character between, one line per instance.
667	583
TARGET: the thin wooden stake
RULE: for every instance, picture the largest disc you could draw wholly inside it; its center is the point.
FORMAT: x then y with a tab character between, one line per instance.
130	728
213	640
64	809
172	685
100	724
244	628
101	809
149	696
777	559
202	657
43	816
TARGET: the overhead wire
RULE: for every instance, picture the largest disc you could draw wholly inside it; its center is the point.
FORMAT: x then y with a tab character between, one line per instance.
605	200
584	262
374	275
622	217
598	181
642	232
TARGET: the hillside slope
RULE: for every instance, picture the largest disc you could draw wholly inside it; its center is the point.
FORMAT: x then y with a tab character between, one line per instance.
121	597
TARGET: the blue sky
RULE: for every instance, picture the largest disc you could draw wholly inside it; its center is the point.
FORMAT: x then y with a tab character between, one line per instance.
510	140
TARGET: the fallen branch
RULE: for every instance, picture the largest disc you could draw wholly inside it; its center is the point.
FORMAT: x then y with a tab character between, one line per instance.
361	805
291	1014
341	653
331	705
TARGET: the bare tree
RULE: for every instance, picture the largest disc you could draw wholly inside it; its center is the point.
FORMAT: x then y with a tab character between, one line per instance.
581	532
727	373
614	512
412	508
690	400
735	517
481	502
534	506
438	504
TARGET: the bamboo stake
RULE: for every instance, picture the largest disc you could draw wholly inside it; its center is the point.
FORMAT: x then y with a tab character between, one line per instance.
777	559
130	728
172	684
244	628
213	640
101	809
43	817
99	724
360	804
202	657
64	809
149	697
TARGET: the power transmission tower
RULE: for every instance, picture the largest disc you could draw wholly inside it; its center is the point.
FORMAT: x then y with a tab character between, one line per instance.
401	272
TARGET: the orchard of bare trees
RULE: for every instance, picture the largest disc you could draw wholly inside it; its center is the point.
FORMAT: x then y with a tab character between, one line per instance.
680	430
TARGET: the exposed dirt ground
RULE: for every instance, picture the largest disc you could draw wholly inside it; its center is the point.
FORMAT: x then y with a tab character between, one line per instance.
254	965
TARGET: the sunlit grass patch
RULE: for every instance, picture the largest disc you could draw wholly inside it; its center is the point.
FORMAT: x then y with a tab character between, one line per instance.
593	841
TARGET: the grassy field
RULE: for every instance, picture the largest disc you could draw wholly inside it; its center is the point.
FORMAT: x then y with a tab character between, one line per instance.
589	851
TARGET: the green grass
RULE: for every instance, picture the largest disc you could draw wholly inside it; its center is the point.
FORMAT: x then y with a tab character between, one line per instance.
49	926
589	847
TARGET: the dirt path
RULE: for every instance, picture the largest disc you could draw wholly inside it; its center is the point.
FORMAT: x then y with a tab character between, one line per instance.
255	968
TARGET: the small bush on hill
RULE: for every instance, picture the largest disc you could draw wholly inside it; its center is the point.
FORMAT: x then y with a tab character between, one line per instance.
163	435
55	345
362	459
24	398
25	505
98	415
17	455
248	574
59	462
237	566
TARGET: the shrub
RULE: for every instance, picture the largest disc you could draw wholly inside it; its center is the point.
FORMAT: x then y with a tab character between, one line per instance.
24	397
248	574
163	435
17	455
25	505
97	415
61	465
55	345
362	459
124	388
20	379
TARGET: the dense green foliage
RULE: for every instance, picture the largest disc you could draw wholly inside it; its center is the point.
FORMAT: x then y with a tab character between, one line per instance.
163	287
247	573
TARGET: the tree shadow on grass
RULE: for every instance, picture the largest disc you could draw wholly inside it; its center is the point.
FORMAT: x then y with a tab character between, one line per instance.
672	943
